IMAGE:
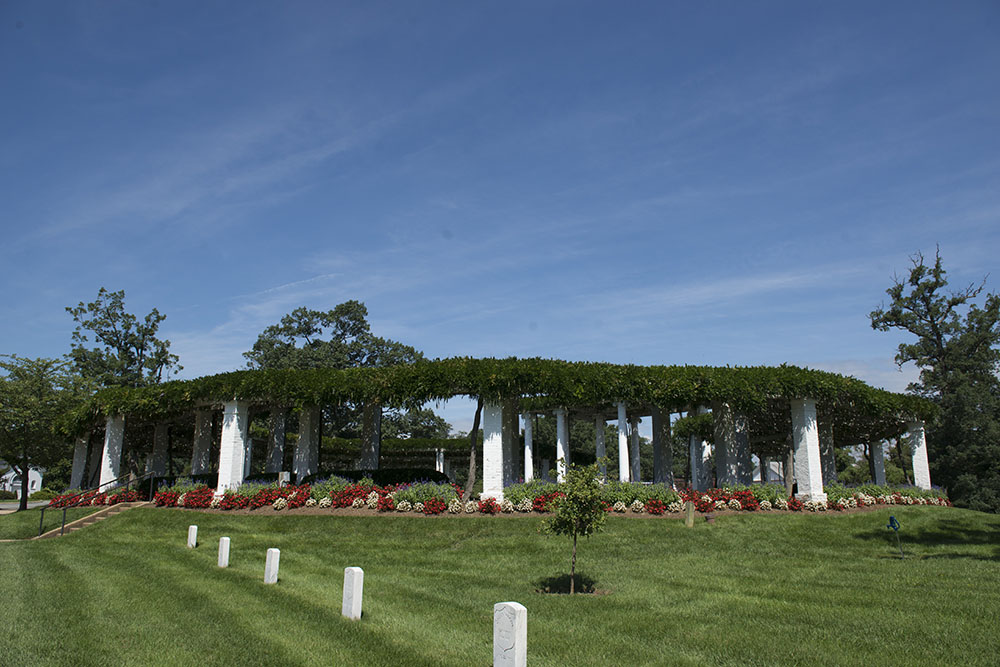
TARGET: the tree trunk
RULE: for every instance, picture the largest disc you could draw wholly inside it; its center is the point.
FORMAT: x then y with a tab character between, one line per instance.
473	443
23	472
572	569
902	462
788	471
867	452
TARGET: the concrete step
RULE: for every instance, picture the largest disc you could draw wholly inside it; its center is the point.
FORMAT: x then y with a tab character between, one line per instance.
91	519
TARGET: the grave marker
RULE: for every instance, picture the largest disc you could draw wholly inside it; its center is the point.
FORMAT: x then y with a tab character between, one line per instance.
271	566
689	514
192	537
510	635
223	552
354	579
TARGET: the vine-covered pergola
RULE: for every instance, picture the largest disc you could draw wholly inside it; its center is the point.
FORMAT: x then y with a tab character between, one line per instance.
769	409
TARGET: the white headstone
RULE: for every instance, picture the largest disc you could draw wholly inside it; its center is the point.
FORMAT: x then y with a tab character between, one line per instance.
271	566
354	580
192	537
510	635
223	552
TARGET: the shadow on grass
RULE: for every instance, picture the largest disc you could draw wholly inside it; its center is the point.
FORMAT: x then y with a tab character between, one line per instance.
947	532
559	585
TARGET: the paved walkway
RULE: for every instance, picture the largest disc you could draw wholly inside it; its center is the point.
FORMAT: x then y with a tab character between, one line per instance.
9	507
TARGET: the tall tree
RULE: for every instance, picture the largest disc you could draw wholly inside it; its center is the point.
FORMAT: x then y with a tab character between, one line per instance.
128	352
958	356
338	338
35	394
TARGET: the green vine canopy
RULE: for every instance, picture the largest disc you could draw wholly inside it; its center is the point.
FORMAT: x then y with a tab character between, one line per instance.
859	413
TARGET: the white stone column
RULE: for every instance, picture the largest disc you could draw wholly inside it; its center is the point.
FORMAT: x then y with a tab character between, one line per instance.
741	448
439	460
699	452
232	449
562	444
663	459
276	439
633	450
79	463
724	429
623	460
600	450
828	460
921	466
492	451
114	439
509	435
878	462
529	463
371	436
306	459
805	439
157	463
201	448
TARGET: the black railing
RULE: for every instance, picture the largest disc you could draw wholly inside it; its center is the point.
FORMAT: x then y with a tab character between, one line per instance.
113	484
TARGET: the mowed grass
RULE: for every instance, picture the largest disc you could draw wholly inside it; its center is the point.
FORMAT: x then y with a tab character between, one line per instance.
751	589
24	525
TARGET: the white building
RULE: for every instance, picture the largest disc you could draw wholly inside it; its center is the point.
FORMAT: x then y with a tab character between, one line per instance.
11	481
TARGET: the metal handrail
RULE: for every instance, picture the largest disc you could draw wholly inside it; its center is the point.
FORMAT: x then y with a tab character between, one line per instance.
62	529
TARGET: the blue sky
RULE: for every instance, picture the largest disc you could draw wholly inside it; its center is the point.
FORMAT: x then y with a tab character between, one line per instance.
662	182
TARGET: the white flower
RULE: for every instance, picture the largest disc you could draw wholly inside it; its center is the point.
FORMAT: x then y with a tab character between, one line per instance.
180	500
765	505
734	504
327	501
280	504
706	499
471	507
372	500
637	506
619	507
403	506
454	506
525	505
675	506
359	503
720	504
506	506
814	506
418	507
781	504
311	502
216	501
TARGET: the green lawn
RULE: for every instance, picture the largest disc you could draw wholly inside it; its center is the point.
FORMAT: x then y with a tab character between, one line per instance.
23	525
751	589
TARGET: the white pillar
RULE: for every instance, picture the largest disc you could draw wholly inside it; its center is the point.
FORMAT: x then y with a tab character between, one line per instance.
741	442
921	466
232	449
828	460
600	450
276	440
878	462
529	463
79	463
201	448
371	436
510	635
439	460
306	460
114	439
492	451
633	451
157	463
509	437
623	459
663	460
805	438
562	444
724	428
699	452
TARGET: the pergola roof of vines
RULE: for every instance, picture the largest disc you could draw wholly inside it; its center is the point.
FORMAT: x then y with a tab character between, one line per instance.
859	413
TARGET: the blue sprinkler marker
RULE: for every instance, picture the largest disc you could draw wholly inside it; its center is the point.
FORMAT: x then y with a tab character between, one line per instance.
895	527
